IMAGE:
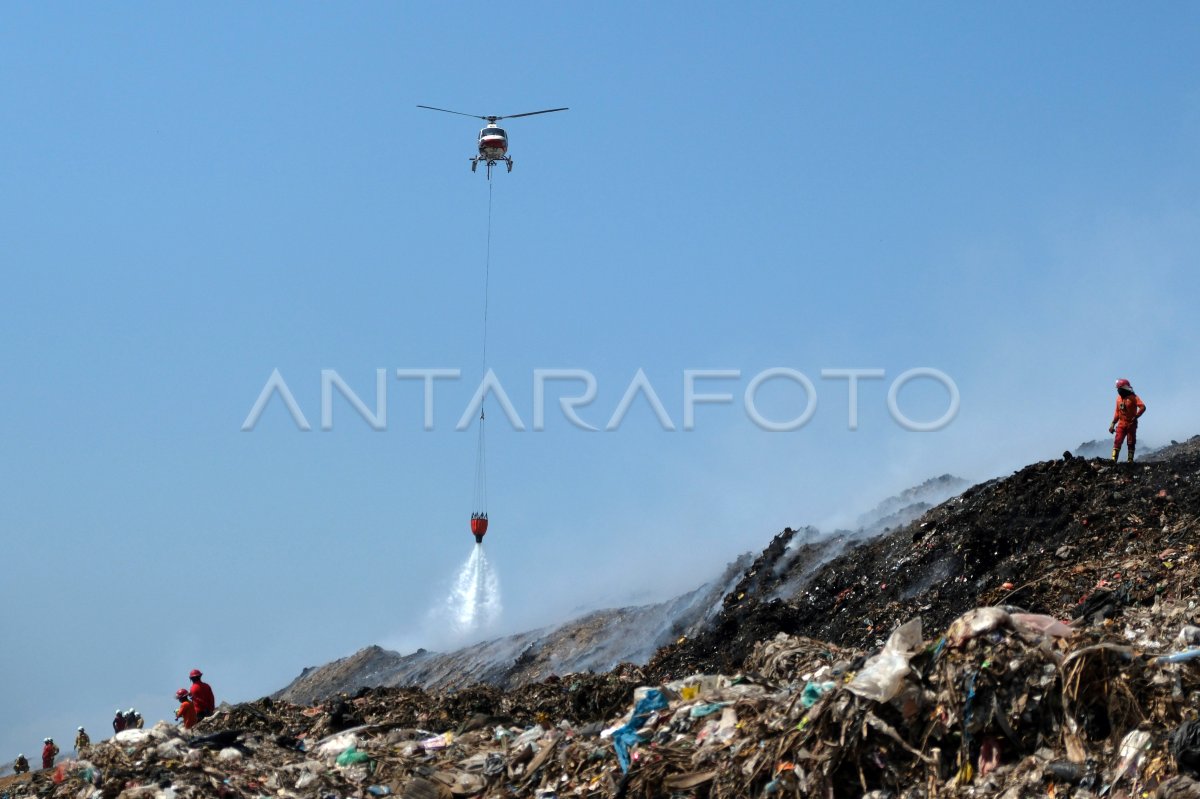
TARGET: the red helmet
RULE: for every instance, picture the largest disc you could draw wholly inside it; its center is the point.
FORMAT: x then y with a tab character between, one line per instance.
195	675
1123	383
182	694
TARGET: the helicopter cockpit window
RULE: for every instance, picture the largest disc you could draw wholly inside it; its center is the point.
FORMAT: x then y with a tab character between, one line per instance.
491	132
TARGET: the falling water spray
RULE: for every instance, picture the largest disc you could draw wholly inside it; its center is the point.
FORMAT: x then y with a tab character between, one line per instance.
474	601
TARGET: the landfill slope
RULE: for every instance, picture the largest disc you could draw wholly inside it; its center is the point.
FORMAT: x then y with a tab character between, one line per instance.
1051	530
597	641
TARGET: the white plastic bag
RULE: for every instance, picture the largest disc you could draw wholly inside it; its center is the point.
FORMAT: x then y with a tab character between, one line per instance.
332	747
882	676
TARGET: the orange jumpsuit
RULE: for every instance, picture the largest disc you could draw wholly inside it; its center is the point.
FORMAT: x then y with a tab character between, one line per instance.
1125	417
187	712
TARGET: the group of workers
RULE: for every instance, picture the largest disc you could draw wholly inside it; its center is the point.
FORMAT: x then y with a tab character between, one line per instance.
197	703
49	752
127	720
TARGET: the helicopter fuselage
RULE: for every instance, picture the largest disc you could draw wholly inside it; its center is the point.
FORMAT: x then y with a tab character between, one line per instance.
493	143
493	147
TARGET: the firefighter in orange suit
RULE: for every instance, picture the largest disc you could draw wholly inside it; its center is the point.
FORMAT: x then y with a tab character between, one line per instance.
1125	418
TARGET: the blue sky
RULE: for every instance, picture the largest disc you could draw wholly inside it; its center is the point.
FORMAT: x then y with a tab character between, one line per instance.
196	196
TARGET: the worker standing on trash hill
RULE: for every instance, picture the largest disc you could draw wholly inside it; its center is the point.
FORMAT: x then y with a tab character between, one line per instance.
202	696
48	752
119	721
1125	418
21	766
82	741
186	712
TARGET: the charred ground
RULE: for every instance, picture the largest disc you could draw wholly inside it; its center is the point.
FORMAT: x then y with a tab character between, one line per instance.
1052	538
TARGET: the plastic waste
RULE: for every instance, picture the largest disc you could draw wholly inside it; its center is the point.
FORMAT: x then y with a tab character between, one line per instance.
1065	771
1134	748
334	746
707	731
531	735
976	622
696	687
171	750
379	790
87	771
813	691
1185	747
727	726
437	742
229	755
134	737
883	674
1189	635
626	736
494	764
1190	653
700	711
1041	625
352	757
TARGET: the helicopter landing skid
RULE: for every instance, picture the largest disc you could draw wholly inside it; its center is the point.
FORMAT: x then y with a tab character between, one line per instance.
491	162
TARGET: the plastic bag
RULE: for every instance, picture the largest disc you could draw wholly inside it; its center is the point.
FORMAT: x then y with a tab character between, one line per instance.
883	674
352	757
531	735
975	622
700	711
727	726
813	692
437	742
338	744
1041	625
133	737
626	737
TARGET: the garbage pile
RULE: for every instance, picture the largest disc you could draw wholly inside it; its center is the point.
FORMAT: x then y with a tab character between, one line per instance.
1063	537
1002	703
1065	661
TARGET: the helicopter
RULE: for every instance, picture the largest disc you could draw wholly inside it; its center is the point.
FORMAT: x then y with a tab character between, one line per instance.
493	141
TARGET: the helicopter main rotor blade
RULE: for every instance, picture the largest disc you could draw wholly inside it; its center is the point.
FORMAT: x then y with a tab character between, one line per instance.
532	113
460	113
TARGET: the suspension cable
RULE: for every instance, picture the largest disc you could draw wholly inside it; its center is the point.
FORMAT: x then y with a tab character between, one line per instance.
487	270
480	498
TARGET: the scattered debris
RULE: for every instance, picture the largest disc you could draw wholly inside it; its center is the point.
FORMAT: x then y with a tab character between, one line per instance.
1066	662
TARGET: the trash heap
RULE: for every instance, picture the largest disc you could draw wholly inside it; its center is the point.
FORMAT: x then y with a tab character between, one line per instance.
1052	538
1064	660
1002	703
